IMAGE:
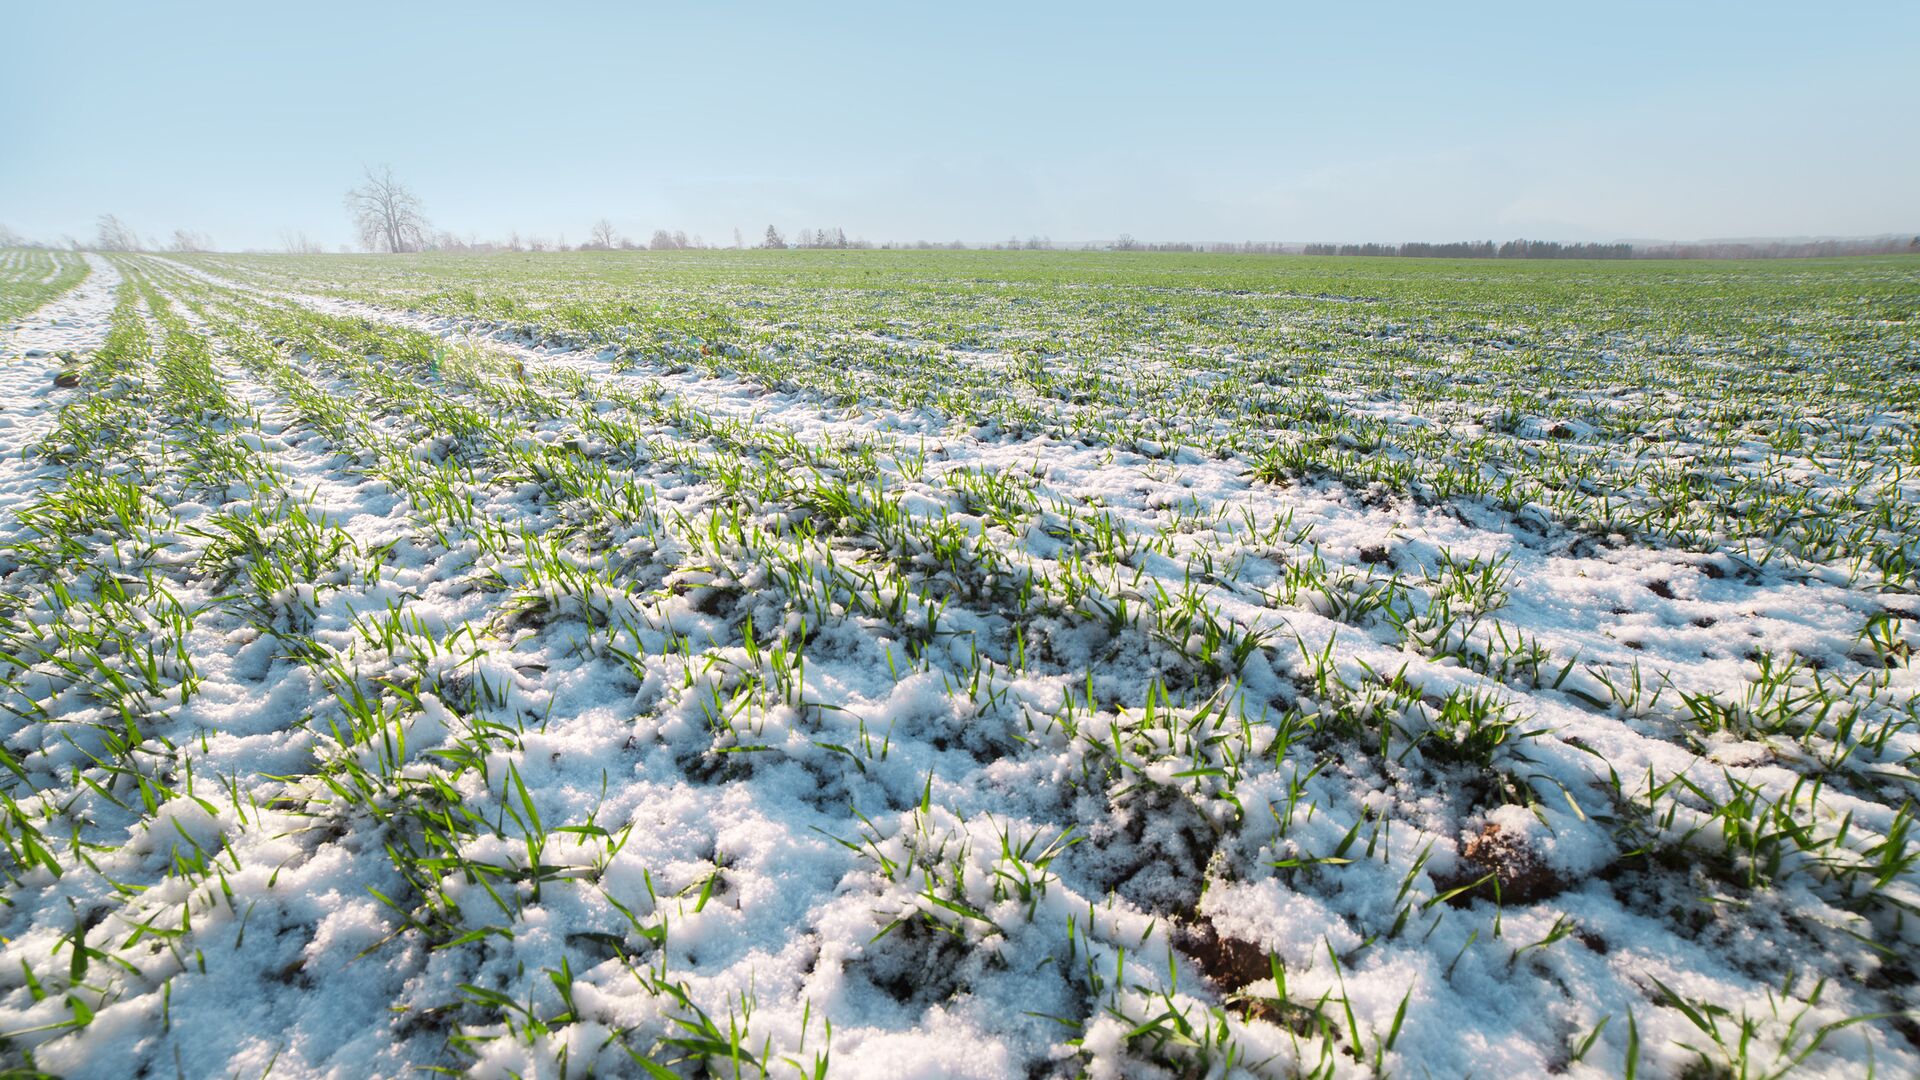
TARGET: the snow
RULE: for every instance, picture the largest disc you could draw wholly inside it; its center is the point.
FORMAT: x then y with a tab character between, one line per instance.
937	854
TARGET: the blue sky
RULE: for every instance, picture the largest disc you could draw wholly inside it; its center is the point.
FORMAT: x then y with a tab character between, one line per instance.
1317	121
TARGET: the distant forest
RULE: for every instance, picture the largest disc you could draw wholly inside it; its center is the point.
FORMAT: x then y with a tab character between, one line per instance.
1485	249
115	235
1530	249
1549	249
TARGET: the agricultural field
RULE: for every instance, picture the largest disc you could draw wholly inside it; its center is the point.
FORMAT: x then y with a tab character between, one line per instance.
30	278
883	664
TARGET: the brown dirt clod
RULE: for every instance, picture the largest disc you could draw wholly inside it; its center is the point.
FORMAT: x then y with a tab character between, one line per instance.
1228	963
1522	877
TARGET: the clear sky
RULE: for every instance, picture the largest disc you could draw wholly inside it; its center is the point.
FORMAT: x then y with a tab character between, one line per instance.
1321	121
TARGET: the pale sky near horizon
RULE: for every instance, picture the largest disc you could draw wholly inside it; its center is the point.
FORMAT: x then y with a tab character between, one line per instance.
974	121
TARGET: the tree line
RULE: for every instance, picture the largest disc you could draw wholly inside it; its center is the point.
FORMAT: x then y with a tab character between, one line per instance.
1482	249
829	238
1706	249
112	234
1779	249
388	217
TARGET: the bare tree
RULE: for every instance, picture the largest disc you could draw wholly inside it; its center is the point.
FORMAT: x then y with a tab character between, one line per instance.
9	238
115	236
602	236
296	243
387	214
774	239
188	240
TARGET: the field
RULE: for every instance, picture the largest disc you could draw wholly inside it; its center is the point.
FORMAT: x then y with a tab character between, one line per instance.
880	664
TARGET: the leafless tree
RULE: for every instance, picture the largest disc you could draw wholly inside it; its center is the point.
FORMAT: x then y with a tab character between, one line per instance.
387	214
296	243
115	236
602	236
188	240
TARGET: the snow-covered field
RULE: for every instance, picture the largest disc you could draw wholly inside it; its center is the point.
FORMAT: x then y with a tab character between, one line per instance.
889	665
